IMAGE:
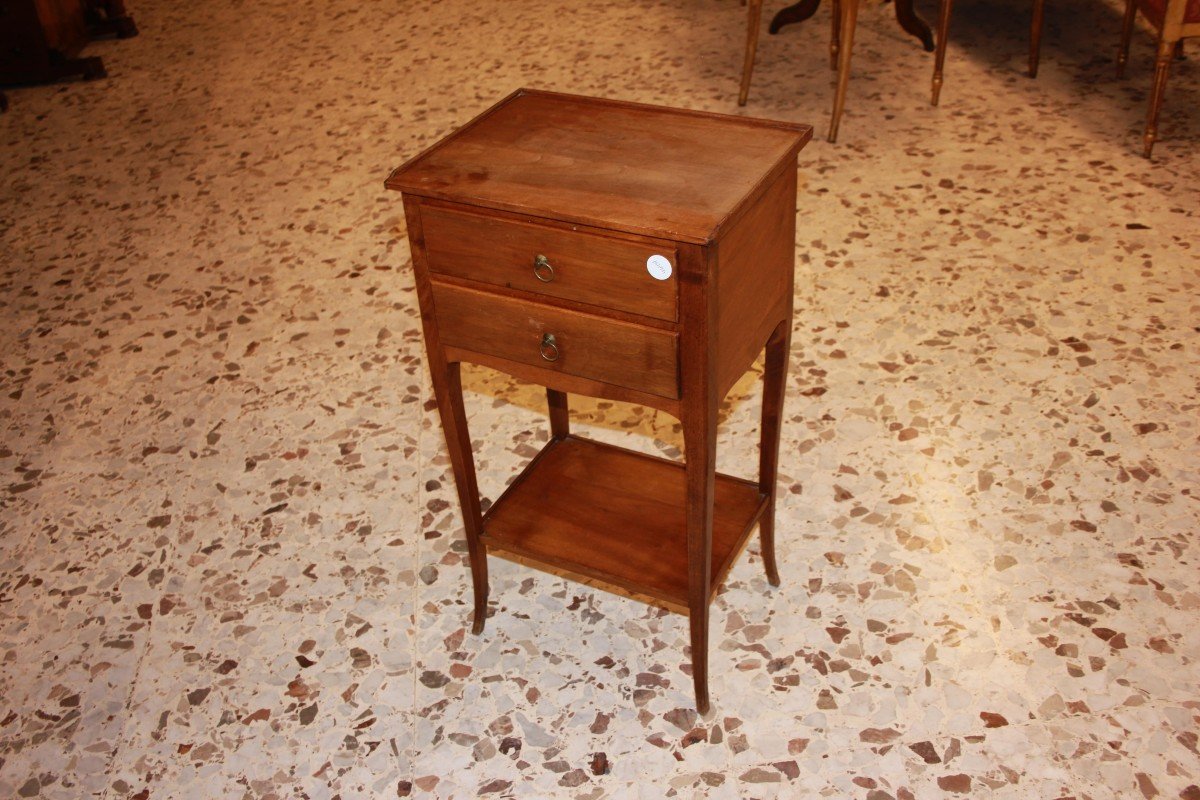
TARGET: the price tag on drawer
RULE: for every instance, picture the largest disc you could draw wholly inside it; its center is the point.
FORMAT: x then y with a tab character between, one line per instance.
659	267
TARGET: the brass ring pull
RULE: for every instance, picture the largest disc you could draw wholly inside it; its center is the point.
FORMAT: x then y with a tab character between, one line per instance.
542	269
549	347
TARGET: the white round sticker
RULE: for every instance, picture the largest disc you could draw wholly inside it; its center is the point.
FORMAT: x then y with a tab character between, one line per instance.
659	267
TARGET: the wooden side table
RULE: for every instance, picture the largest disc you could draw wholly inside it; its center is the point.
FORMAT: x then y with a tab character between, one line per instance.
622	251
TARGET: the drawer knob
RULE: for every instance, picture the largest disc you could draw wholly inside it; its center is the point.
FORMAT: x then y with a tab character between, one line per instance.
542	269
549	348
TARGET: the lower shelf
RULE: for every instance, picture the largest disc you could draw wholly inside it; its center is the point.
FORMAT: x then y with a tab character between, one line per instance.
601	512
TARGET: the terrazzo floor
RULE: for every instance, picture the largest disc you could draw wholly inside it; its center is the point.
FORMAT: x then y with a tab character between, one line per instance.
231	559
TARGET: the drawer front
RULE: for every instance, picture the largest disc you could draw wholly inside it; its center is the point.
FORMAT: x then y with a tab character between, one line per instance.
585	267
601	349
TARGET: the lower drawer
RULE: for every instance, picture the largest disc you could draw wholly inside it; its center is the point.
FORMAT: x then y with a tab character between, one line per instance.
540	335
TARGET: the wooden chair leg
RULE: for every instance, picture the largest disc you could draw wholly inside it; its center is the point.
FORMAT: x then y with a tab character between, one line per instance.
774	388
835	35
1035	36
1126	34
849	19
1162	68
939	56
560	415
753	20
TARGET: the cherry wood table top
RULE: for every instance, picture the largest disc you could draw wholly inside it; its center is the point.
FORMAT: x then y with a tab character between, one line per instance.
597	162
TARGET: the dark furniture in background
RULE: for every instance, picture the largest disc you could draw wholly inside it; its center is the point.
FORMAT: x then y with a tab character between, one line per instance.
845	20
905	16
40	40
627	252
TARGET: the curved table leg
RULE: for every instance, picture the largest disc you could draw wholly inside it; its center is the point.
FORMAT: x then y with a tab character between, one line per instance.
447	386
774	389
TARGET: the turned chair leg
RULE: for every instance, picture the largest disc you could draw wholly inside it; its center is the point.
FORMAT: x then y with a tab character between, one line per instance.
939	53
753	20
849	18
1126	34
1162	68
1035	36
835	35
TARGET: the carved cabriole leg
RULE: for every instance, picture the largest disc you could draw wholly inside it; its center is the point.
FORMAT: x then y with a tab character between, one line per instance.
914	25
753	23
939	58
1126	33
1162	69
560	417
789	15
698	413
849	18
774	390
447	388
1035	35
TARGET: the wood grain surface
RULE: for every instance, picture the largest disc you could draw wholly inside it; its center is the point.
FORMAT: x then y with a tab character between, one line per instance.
755	261
668	173
633	534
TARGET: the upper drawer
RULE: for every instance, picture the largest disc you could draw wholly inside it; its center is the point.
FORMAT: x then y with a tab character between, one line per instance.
588	268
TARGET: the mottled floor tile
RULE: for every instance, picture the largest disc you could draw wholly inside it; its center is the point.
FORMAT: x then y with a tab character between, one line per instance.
231	556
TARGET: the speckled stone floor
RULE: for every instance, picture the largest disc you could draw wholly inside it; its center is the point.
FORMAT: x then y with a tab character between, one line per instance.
231	561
